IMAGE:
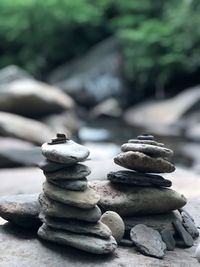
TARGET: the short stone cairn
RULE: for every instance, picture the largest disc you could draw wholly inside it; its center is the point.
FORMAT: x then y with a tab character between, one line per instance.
69	210
158	227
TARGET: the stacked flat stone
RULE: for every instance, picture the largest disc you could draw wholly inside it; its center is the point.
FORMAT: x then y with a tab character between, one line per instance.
69	210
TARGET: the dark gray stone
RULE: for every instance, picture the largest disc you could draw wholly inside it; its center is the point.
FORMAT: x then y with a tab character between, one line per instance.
145	137
59	210
83	199
167	237
127	200
183	234
77	171
86	243
148	241
68	153
189	225
50	166
148	142
150	150
140	162
74	185
138	179
22	210
77	226
126	243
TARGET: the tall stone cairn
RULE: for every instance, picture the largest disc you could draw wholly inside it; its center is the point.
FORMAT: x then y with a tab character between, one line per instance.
69	210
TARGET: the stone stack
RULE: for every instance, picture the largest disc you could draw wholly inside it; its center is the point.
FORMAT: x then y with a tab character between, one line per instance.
69	210
143	200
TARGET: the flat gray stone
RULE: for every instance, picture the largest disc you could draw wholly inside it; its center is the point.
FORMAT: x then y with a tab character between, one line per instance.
189	225
145	137
148	142
59	210
50	166
168	239
84	199
77	171
140	162
148	241
150	150
127	200
136	178
77	226
74	185
183	234
86	243
67	153
22	210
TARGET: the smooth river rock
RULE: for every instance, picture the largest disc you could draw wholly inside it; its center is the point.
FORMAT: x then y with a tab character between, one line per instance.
115	223
84	199
76	226
50	166
127	200
136	178
59	210
77	171
142	163
22	210
148	142
74	185
86	243
151	150
148	241
68	153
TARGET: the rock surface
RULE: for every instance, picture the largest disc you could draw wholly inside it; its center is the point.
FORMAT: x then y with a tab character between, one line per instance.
126	200
189	225
167	237
74	185
148	241
150	150
183	234
140	179
12	73
86	243
30	98
56	209
115	224
147	142
22	210
75	172
68	153
12	125
142	163
85	199
77	226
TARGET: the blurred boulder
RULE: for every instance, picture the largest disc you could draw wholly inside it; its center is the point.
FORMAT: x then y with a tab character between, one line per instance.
93	77
31	98
66	122
109	108
164	116
12	125
12	73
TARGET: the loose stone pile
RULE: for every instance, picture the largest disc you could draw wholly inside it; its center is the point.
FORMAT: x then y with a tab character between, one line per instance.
69	210
145	193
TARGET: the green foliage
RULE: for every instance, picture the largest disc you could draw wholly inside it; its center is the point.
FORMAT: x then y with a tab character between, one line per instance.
159	39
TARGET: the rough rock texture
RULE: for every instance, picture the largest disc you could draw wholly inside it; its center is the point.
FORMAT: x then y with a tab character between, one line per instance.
148	241
57	209
151	150
30	98
140	162
158	222
115	223
86	243
77	226
86	199
183	234
68	153
140	179
77	171
167	237
127	200
189	225
22	210
23	128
